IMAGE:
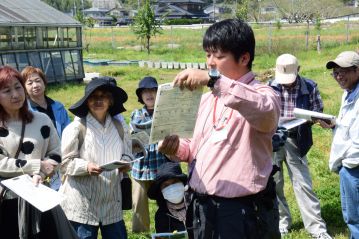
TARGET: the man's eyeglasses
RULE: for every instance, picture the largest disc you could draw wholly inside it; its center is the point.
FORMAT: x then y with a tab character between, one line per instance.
343	71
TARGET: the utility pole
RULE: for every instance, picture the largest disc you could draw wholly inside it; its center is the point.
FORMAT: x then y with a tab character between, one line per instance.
214	10
82	7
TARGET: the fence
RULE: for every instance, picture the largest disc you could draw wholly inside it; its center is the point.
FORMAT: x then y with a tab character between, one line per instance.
183	43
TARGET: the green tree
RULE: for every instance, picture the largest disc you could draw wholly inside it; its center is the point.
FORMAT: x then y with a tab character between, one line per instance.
242	10
145	24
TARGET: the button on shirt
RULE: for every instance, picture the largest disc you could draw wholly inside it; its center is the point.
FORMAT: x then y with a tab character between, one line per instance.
241	163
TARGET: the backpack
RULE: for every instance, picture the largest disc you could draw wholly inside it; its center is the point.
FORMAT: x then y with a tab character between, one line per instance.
126	184
83	129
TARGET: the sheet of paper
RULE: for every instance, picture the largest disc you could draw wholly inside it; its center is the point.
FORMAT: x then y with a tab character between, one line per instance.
175	112
290	123
311	115
41	197
174	235
119	163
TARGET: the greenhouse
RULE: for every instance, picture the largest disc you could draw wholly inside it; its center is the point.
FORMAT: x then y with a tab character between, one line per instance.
33	33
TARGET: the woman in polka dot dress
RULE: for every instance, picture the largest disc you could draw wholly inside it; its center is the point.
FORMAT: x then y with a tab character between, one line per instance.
37	155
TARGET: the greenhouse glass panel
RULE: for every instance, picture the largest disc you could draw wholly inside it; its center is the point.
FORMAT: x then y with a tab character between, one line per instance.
72	37
34	58
22	60
18	38
52	37
61	37
9	59
5	38
58	66
40	37
47	66
69	67
30	37
77	62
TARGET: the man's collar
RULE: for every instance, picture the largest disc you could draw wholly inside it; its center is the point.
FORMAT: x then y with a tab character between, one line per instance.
247	78
351	95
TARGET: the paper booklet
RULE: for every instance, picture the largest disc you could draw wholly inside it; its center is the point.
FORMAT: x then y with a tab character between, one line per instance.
290	123
312	115
175	112
170	235
125	161
40	196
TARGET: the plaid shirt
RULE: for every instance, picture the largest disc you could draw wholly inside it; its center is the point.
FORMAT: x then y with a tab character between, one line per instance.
289	97
145	169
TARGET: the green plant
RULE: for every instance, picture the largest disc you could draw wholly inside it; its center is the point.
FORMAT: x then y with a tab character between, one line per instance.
318	24
145	25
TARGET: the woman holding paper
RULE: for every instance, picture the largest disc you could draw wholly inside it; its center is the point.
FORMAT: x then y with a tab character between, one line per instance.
29	144
94	197
144	171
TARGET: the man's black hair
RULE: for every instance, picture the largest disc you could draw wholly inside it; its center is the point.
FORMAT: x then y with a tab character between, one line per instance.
231	35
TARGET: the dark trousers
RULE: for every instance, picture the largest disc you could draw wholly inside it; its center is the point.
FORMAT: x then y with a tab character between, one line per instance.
226	218
9	222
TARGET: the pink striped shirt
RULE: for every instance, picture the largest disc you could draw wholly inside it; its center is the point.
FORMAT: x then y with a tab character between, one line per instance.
237	160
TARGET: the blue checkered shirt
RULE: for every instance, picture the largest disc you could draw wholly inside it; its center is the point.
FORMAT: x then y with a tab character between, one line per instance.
145	169
289	98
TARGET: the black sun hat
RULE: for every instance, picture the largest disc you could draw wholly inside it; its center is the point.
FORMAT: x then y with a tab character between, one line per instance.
148	82
106	83
166	171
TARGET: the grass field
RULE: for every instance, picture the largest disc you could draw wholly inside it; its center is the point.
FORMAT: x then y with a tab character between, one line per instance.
325	183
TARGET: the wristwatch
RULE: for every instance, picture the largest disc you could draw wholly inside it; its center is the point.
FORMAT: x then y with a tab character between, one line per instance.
214	75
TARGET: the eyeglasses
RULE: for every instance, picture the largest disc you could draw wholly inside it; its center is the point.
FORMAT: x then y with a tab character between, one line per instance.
342	71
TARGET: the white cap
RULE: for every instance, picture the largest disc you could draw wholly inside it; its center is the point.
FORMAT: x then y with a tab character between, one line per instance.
286	69
344	59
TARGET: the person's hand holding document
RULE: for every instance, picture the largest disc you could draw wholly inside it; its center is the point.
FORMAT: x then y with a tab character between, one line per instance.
122	164
40	196
324	120
175	112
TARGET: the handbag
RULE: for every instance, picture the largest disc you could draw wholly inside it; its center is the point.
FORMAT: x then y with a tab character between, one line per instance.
126	191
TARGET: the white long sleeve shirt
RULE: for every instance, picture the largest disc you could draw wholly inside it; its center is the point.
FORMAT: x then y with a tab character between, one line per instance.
345	145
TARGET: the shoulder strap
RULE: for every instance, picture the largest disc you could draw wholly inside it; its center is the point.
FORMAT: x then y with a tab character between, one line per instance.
21	139
83	127
119	128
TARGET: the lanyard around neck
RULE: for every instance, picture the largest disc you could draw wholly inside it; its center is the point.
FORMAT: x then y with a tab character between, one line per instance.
214	117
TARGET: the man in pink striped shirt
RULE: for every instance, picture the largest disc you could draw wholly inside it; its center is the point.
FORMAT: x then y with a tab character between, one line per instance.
231	151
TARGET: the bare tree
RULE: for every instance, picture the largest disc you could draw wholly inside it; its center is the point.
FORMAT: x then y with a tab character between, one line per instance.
305	10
